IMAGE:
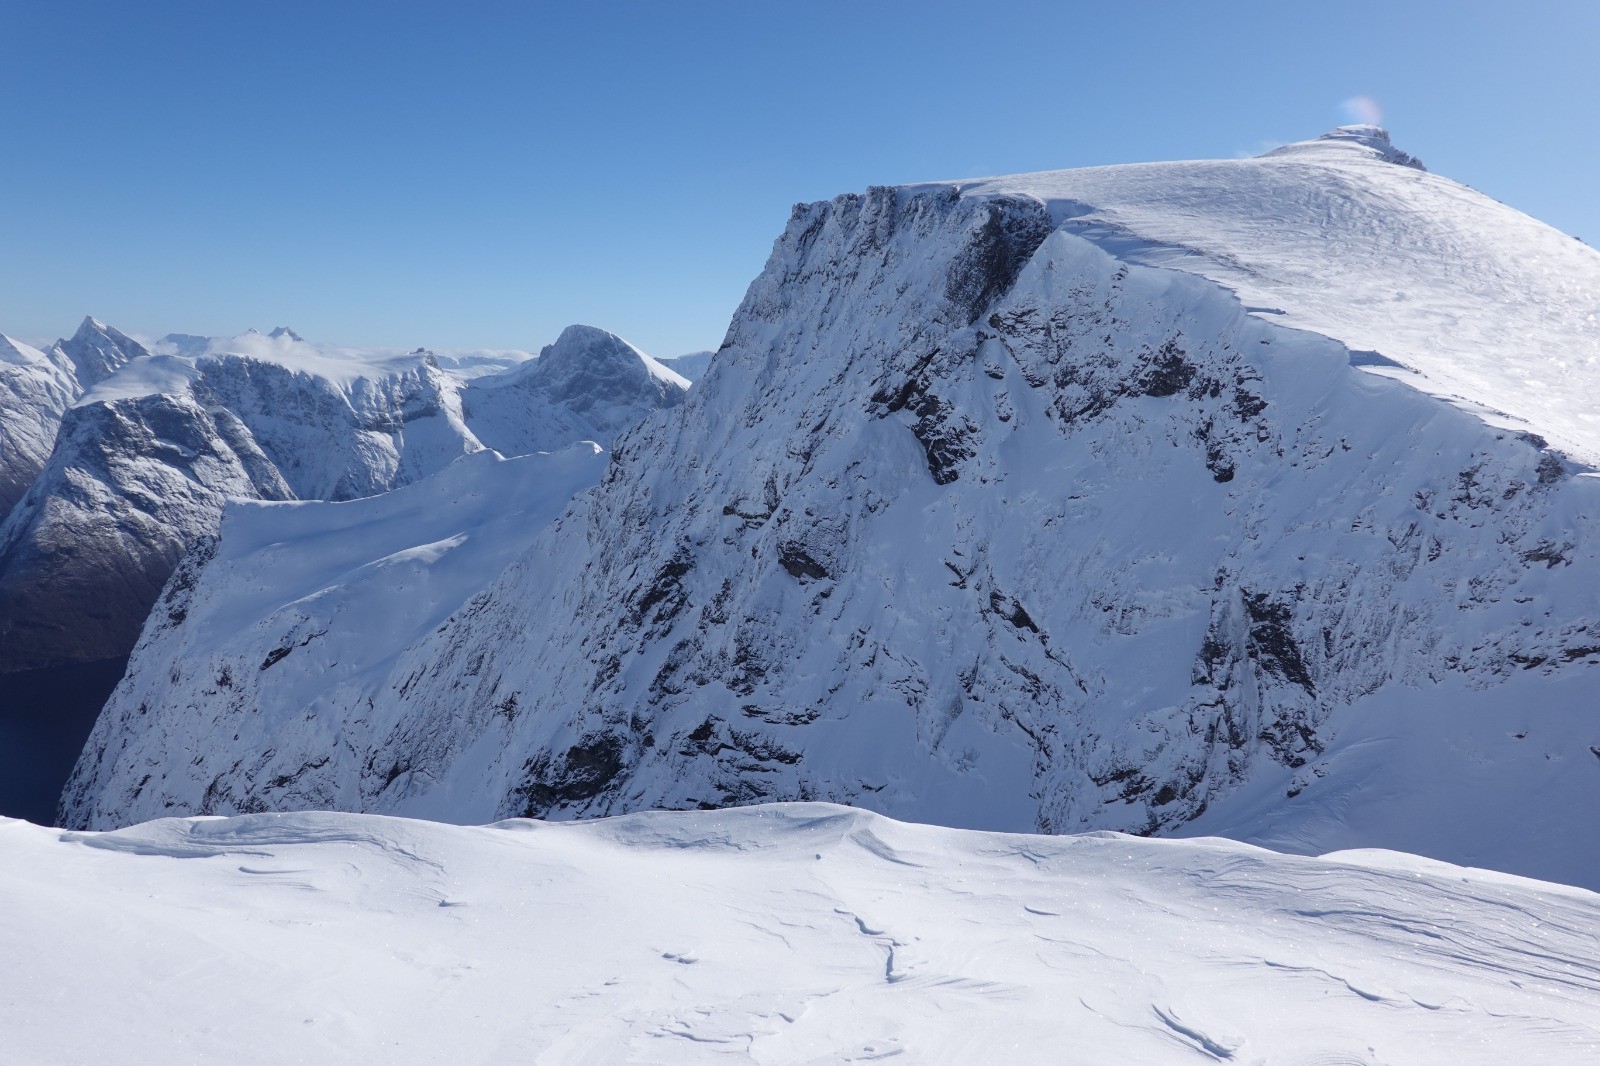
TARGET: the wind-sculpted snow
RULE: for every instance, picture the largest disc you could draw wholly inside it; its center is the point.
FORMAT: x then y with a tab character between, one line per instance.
1474	300
972	522
775	934
692	367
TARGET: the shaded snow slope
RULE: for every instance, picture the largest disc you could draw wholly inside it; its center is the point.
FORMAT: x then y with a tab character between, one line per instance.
34	392
298	609
1477	300
692	366
129	484
971	522
781	934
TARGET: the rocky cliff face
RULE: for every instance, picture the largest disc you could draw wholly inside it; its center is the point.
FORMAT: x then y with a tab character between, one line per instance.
973	520
129	484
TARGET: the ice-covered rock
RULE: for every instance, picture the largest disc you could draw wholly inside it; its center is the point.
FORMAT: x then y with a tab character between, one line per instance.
129	484
98	351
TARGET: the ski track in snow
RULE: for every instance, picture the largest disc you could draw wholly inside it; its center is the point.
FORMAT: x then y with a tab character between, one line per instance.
781	934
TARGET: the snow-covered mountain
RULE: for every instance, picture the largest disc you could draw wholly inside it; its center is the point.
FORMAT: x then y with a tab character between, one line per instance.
1164	498
588	385
154	443
35	391
773	934
97	351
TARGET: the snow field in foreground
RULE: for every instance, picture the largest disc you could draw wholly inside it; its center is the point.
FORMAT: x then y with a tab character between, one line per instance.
784	934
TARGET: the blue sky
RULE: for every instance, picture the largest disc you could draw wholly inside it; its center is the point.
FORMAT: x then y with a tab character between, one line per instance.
481	174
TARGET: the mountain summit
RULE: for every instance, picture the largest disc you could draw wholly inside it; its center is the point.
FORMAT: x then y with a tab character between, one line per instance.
1375	139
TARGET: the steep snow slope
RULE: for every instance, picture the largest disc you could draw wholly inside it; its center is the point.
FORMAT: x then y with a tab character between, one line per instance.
1476	300
780	934
86	551
34	392
588	385
691	366
972	522
319	597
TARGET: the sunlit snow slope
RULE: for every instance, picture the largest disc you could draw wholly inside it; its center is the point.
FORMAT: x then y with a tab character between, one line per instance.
1478	301
781	934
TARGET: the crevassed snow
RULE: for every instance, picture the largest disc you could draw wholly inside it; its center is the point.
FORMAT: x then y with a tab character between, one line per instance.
796	933
1482	302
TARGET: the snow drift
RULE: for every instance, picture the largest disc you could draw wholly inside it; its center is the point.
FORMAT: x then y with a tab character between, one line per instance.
776	934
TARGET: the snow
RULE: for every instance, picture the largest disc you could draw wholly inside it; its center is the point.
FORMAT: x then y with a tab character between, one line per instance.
17	353
1480	301
691	366
149	375
789	933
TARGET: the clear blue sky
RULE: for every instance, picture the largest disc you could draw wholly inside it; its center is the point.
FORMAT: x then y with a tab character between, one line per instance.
481	174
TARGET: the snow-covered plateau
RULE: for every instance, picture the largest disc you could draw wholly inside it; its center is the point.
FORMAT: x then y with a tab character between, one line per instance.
791	933
1109	499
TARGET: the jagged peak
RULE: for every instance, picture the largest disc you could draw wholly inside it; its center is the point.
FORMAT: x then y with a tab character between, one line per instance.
284	331
90	324
91	328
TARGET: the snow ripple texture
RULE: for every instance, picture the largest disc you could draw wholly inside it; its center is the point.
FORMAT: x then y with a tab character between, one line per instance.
974	520
801	933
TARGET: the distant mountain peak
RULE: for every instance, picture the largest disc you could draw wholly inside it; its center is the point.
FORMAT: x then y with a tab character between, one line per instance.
89	327
97	350
284	331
